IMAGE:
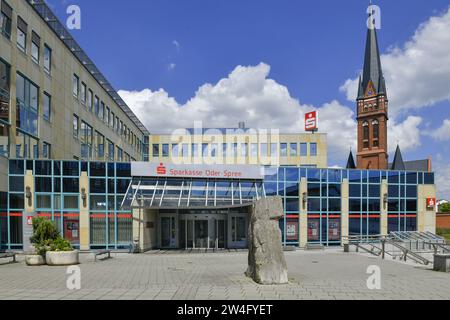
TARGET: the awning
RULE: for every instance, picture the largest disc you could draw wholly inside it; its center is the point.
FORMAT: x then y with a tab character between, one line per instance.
170	193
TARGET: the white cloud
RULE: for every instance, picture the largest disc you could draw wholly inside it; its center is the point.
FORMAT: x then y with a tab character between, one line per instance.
247	94
442	133
177	45
418	73
442	169
171	66
406	134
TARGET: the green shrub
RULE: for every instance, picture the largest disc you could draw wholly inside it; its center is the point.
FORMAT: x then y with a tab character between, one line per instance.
47	238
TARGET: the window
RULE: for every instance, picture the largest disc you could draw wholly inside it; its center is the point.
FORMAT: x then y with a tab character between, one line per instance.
35	46
376	132
303	149
365	134
47	59
46	150
254	150
83	93
165	150
27	105
90	95
75	85
86	140
5	19
22	34
75	126
283	149
293	149
119	154
155	151
96	105
107	116
46	107
112	120
100	145
101	112
110	151
27	147
313	149
263	149
273	149
4	91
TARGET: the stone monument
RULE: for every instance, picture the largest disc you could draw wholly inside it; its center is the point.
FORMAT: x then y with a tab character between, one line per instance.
266	262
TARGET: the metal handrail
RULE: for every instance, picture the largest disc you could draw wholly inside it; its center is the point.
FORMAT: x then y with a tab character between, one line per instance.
407	252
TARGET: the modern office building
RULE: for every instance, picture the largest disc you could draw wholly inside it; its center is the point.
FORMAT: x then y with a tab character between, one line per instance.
54	102
72	151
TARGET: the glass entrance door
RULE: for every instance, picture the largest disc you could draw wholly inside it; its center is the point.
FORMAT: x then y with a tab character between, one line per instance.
238	230
203	231
168	231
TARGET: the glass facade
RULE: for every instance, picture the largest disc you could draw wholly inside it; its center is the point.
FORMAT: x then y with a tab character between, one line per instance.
57	196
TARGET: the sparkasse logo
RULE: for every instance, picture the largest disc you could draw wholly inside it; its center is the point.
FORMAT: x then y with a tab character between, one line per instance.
161	169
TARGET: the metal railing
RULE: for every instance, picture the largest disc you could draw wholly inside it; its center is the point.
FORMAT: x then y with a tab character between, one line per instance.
404	245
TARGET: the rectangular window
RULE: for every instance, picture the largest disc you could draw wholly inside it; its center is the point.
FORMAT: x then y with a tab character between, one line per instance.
89	99
254	150
83	93
117	124
75	85
303	149
4	92
27	147
110	151
293	149
47	59
101	112
156	151
100	145
283	149
165	150
273	149
75	126
264	150
313	149
22	28
112	120
107	115
194	150
46	107
5	19
244	152
35	46
86	140
96	105
119	154
27	95
184	150
46	150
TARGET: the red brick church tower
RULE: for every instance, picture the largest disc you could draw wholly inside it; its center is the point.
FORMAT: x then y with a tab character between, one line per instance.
372	108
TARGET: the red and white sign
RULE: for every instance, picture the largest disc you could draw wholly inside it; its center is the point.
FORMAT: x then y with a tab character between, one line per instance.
30	220
169	170
311	121
431	202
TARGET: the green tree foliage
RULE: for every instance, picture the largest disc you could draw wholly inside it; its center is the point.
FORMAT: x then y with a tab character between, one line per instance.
47	238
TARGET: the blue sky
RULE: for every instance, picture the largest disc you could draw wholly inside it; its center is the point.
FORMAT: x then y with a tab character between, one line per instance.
312	48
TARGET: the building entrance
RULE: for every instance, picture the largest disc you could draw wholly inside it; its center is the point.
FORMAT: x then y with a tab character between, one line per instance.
203	230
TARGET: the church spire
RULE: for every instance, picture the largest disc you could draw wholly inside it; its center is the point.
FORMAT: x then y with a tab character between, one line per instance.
372	72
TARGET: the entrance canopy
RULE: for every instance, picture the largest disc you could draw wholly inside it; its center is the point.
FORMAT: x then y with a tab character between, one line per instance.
170	193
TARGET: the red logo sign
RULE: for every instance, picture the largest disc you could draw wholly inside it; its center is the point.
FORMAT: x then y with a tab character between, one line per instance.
311	121
29	220
161	169
431	202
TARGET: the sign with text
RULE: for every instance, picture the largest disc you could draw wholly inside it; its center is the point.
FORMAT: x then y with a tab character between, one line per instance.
311	121
168	170
431	202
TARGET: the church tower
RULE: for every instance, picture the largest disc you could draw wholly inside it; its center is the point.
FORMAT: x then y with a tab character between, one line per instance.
372	108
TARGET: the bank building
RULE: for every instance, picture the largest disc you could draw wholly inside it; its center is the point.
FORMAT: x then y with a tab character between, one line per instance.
71	150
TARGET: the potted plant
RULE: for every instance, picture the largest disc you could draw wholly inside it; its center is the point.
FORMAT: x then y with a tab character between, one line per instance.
49	247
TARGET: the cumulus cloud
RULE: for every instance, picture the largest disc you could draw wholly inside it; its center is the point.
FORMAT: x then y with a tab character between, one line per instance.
406	134
246	94
418	73
442	178
443	132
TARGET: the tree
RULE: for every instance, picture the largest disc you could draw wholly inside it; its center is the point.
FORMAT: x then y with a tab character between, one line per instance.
444	207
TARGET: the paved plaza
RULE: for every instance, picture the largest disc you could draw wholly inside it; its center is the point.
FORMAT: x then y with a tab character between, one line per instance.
329	274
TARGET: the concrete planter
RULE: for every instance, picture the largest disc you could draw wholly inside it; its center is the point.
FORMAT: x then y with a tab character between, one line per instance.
34	260
62	258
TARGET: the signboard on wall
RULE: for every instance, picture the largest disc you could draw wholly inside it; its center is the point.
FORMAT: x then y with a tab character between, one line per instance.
169	170
311	121
431	203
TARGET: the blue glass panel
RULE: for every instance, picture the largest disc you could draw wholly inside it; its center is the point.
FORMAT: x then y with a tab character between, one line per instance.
313	175
334	190
271	188
334	205
281	174
292	189
43	168
411	177
393	177
374	190
71	169
354	176
355	190
334	176
97	169
374	205
374	177
393	191
314	205
313	189
292	204
97	186
271	174
123	170
71	185
428	178
411	205
16	166
355	205
411	191
43	184
292	174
